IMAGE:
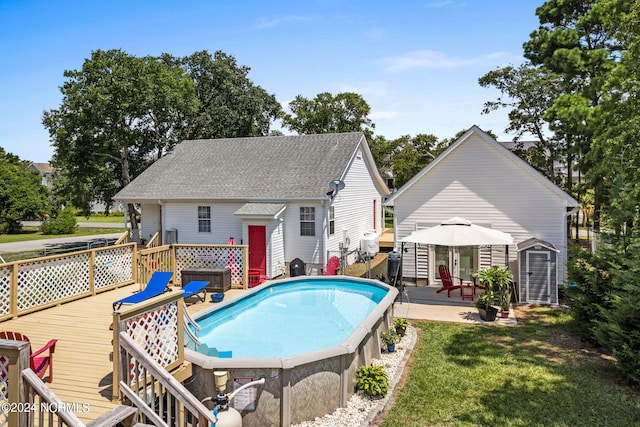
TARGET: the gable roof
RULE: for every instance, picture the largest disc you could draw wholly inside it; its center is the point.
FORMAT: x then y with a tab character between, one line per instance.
528	169
256	168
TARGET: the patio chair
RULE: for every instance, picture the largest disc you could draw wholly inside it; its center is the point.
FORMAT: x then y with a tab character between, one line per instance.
447	280
333	265
38	364
197	289
158	284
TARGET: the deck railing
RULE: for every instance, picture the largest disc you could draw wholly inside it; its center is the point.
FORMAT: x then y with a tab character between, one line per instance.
25	400
154	241
157	326
179	257
161	398
34	284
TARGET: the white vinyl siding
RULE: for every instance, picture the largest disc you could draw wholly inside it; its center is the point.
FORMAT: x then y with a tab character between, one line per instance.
151	223
183	217
479	182
353	206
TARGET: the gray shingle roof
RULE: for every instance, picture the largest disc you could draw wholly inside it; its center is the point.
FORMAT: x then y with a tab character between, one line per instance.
260	168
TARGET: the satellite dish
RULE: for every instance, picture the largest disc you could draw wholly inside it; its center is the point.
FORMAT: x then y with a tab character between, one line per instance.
336	185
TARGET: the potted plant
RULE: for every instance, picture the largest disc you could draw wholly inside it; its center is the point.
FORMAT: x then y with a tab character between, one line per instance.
372	380
497	283
390	338
484	304
400	324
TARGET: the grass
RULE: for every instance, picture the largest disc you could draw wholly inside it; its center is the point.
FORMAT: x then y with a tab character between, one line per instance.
33	233
538	373
115	219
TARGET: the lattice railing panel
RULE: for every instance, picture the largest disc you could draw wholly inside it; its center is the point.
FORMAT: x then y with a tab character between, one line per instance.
113	266
52	279
211	257
157	333
4	390
5	287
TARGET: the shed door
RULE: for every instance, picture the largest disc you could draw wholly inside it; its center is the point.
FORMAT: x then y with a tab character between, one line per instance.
258	248
538	265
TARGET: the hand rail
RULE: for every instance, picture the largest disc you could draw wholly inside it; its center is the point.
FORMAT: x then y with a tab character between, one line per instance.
55	405
172	386
188	320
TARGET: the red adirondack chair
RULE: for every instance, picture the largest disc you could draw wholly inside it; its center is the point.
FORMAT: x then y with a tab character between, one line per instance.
447	280
39	364
333	265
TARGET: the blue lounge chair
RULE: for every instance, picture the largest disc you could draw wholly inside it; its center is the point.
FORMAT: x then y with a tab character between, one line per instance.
194	288
158	284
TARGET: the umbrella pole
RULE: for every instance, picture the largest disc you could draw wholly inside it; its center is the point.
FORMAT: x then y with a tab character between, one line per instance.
415	264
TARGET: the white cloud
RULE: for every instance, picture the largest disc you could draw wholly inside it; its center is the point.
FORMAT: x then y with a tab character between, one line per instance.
383	115
274	22
430	59
366	89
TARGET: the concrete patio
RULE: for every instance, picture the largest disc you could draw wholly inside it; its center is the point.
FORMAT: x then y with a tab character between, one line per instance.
424	303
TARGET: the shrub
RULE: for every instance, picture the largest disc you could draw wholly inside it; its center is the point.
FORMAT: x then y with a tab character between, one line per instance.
65	223
372	380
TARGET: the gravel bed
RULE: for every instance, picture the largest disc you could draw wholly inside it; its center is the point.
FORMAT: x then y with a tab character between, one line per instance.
362	409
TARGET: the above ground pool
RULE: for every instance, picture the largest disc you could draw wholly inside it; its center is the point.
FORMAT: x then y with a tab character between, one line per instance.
306	336
288	319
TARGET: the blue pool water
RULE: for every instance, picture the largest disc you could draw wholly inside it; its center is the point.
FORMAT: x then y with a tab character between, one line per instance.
288	319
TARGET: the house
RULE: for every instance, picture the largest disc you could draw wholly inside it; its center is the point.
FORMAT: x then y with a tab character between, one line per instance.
479	179
286	197
46	172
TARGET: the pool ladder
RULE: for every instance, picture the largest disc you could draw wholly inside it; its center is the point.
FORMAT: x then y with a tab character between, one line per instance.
190	321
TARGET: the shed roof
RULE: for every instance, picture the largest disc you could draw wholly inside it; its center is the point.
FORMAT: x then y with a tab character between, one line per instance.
256	168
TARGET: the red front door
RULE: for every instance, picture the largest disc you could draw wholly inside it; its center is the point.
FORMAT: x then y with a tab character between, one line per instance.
258	248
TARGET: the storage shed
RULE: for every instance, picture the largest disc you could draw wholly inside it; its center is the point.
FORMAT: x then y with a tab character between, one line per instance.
538	272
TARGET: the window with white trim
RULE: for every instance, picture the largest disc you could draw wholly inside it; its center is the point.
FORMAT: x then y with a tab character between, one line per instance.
307	221
204	219
332	221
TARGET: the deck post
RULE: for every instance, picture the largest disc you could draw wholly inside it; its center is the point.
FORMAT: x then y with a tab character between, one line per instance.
17	355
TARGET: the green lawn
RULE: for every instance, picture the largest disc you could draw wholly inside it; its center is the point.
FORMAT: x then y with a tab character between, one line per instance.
538	373
101	218
33	233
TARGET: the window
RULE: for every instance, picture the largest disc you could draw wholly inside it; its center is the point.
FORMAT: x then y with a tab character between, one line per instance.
204	219
307	221
332	221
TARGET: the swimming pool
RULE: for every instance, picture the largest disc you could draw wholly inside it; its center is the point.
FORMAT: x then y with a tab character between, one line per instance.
306	336
290	319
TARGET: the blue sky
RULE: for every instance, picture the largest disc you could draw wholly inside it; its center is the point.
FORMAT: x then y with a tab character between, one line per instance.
416	63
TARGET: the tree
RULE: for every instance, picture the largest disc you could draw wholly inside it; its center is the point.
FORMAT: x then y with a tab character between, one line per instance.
528	92
326	113
230	104
575	42
21	193
413	154
117	113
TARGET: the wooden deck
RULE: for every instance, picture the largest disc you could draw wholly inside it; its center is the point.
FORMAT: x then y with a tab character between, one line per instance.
81	367
386	239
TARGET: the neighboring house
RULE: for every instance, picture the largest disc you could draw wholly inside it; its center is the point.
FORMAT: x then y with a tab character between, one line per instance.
46	172
480	180
272	193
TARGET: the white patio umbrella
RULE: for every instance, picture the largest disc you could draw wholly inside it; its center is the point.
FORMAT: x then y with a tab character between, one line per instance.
458	231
